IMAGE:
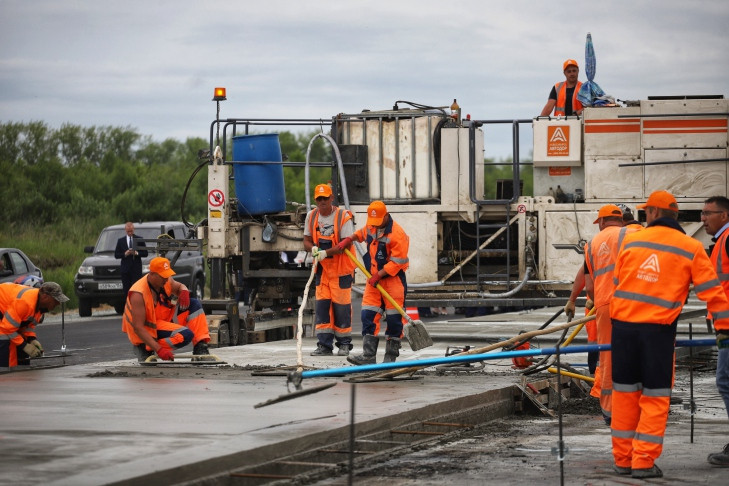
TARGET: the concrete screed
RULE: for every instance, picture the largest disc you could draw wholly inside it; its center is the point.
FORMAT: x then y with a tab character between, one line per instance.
118	422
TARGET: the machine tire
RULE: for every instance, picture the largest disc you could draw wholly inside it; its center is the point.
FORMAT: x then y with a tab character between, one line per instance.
198	288
84	308
119	307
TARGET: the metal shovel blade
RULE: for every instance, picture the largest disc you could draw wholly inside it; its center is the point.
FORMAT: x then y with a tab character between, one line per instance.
417	335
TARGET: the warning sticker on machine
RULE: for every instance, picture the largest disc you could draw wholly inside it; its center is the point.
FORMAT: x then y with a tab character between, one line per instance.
558	141
560	171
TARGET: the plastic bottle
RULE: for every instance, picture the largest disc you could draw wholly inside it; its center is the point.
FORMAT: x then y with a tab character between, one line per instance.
455	110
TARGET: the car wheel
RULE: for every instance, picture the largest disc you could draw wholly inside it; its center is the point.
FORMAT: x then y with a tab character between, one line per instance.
119	307
84	307
198	288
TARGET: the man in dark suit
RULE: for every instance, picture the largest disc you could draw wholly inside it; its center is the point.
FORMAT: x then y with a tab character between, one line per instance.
131	259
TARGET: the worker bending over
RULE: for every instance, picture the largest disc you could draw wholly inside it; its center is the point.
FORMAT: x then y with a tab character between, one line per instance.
21	309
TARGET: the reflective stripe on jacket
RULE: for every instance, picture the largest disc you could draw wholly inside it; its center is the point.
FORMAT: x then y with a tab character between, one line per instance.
561	90
653	272
18	305
341	264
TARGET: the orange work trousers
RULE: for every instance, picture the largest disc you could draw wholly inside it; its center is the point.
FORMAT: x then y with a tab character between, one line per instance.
192	318
333	309
374	304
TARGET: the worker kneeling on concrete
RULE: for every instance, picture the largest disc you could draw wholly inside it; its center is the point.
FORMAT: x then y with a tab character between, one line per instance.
21	308
160	315
387	259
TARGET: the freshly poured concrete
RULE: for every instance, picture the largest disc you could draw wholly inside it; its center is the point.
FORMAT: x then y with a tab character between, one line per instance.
166	425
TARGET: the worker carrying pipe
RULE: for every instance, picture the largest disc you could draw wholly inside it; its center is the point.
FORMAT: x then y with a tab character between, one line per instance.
387	258
653	272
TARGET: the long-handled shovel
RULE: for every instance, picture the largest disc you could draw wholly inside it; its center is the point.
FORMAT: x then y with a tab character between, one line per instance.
415	332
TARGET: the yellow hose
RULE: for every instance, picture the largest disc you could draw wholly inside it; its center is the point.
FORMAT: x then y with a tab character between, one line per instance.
572	375
577	329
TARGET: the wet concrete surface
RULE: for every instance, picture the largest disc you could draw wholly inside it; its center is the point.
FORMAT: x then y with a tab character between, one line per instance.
118	422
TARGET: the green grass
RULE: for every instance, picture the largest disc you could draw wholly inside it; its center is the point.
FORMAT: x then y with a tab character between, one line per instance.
57	250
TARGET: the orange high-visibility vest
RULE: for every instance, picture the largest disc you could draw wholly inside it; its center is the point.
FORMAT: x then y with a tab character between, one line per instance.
341	264
720	259
150	316
600	256
561	90
19	314
652	274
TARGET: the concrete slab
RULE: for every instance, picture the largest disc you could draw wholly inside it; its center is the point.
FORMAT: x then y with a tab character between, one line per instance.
65	426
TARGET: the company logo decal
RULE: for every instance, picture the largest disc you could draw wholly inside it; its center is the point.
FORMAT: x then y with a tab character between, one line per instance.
650	269
558	141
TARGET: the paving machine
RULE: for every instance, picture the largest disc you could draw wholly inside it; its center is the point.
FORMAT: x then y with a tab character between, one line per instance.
427	165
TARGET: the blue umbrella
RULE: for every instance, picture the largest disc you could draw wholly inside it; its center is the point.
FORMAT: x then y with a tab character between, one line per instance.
590	90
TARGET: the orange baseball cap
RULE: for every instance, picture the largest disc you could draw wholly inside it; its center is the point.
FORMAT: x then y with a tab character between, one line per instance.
322	190
376	212
569	62
608	210
662	200
161	266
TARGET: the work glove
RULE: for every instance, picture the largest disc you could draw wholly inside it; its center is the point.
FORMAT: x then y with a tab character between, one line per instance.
344	243
32	351
589	304
374	279
318	254
569	310
37	344
184	299
165	354
722	340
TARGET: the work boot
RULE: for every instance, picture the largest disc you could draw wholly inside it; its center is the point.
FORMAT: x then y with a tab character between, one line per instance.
201	348
623	471
369	351
720	458
651	472
344	349
321	350
392	350
141	352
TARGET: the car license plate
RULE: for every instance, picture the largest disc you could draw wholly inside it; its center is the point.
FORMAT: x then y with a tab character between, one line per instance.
110	286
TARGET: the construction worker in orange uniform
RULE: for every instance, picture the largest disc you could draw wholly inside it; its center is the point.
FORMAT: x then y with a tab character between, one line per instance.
324	228
21	309
715	217
563	97
145	330
653	272
387	260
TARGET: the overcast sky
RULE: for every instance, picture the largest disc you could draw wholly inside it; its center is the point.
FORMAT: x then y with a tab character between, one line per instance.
152	65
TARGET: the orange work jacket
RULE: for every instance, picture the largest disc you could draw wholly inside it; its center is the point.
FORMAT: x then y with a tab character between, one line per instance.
340	264
600	255
720	259
561	90
653	272
389	251
18	305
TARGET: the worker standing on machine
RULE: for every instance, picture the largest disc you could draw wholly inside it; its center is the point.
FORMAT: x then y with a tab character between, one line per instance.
325	226
387	259
563	97
653	272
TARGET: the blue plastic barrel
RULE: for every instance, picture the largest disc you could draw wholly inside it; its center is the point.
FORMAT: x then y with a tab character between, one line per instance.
258	187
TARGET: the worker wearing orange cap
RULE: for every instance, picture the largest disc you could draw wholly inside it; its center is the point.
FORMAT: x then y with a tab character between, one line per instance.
653	272
600	255
145	330
563	97
325	226
387	259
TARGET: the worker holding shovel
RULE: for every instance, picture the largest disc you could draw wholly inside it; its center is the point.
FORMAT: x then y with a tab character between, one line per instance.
387	258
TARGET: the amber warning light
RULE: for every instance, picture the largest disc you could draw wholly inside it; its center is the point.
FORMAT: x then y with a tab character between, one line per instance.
219	94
